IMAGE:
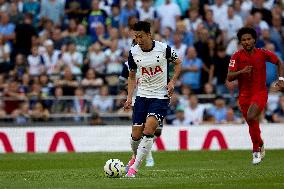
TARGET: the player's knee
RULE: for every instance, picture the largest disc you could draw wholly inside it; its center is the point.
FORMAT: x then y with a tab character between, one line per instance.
149	131
251	117
136	136
158	132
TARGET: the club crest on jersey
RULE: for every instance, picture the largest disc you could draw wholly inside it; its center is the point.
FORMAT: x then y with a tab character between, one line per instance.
151	71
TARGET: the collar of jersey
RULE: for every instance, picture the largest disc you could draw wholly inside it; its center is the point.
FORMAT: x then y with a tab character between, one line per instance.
153	46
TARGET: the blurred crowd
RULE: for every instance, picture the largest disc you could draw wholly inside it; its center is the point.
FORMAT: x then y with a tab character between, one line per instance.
64	57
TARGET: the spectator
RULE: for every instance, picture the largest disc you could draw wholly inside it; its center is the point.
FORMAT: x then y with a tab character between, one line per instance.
72	29
128	11
32	7
271	69
21	66
57	38
276	33
96	17
180	119
231	23
13	96
91	83
202	49
82	41
16	17
59	104
72	58
36	62
68	82
186	36
193	20
5	50
194	112
219	110
259	24
231	117
258	6
39	113
119	101
148	13
171	112
168	13
113	55
96	58
278	114
125	40
219	9
22	114
112	38
52	6
51	58
80	105
238	9
7	29
25	33
191	69
4	6
103	102
179	46
24	86
220	65
209	23
34	94
77	9
2	110
115	16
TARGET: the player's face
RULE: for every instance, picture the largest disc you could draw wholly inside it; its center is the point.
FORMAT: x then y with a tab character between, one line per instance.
248	42
142	39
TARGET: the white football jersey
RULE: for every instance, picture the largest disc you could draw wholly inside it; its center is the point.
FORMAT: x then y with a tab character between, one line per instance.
152	67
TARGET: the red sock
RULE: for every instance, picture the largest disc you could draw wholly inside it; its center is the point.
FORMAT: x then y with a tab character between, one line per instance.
254	132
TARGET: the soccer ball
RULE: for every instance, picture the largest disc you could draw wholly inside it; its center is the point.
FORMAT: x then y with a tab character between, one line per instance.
114	168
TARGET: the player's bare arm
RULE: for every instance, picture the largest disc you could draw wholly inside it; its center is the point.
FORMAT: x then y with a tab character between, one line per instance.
177	71
280	82
234	75
131	87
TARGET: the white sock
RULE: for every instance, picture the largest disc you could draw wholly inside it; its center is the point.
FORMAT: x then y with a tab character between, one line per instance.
143	149
134	145
149	155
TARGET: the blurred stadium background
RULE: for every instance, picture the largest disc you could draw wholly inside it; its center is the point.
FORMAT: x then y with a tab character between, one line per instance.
60	91
60	61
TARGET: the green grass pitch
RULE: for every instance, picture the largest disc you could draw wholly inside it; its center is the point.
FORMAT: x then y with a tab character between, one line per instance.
186	169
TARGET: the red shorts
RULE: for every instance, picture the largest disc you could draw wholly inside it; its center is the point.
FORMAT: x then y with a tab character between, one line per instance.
260	99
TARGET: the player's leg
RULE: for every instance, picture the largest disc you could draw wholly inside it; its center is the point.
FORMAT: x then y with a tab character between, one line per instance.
137	131
156	113
138	117
146	142
149	158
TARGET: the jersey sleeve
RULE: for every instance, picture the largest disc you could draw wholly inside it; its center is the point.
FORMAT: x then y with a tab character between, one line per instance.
131	63
233	64
171	55
270	56
125	71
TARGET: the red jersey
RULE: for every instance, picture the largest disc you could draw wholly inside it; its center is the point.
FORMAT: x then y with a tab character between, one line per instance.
254	82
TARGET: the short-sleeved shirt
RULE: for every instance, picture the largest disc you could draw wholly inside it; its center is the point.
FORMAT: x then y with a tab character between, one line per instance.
153	69
251	83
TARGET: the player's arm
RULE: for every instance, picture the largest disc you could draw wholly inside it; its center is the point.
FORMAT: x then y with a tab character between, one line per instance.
131	80
173	58
233	71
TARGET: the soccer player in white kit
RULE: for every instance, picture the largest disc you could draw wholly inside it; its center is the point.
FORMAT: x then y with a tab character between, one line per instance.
154	88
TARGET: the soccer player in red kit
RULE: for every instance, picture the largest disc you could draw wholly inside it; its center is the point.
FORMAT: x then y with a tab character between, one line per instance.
248	67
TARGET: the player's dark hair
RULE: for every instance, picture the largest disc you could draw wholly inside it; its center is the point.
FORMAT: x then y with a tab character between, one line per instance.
246	30
142	26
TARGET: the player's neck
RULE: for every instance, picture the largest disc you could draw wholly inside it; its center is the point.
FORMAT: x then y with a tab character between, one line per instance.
250	51
149	45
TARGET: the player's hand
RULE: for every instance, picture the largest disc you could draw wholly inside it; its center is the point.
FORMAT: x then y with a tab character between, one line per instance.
247	69
280	85
170	88
127	104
